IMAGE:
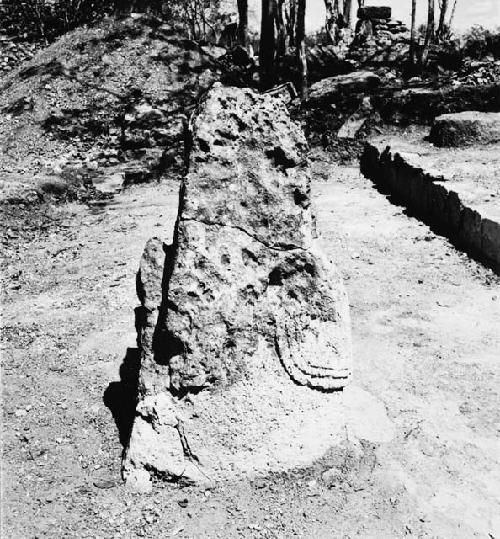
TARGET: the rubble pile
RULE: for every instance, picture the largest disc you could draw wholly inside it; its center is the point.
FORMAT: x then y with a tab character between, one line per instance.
477	72
112	99
142	142
329	60
14	52
378	38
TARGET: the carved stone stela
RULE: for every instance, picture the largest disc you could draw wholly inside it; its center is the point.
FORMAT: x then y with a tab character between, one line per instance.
245	328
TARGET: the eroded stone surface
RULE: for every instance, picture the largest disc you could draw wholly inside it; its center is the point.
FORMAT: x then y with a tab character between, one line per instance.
466	128
358	82
240	314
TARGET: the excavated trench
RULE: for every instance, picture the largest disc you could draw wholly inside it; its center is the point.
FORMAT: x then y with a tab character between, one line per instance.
456	192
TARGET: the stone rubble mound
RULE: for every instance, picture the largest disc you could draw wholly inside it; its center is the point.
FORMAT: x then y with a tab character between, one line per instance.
13	52
477	72
378	38
244	328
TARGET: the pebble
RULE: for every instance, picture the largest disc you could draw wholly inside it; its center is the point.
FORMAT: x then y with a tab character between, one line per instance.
104	483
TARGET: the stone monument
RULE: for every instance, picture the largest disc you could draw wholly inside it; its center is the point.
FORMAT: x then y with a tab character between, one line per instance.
245	332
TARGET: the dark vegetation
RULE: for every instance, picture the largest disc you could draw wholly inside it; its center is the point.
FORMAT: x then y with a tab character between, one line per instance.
48	19
113	96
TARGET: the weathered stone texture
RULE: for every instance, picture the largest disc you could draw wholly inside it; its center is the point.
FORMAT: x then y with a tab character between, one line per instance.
466	128
243	294
242	266
328	90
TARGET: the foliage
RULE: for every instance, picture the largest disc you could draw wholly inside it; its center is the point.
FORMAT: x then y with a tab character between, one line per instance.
49	18
479	42
202	18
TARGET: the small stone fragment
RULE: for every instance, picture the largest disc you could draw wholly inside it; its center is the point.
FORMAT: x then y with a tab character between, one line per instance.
104	483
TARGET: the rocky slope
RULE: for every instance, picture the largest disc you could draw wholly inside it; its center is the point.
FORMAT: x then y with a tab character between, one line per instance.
108	99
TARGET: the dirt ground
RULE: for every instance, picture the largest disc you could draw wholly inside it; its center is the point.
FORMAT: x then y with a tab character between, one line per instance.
426	331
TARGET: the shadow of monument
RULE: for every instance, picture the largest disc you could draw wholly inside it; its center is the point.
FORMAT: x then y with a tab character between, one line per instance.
121	397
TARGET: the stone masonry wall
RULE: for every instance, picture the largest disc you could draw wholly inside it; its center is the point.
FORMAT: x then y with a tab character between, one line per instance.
379	40
436	203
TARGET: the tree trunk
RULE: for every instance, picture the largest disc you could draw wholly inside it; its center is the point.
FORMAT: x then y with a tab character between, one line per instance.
348	12
413	35
291	21
429	34
243	22
442	20
301	47
452	16
361	3
267	49
279	18
332	17
430	22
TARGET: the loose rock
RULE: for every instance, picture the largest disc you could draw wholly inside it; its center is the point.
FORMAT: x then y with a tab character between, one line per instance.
358	82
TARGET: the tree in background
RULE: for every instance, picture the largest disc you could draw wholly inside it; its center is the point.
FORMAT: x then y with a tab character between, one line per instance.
338	16
47	19
413	34
452	16
442	27
300	47
282	32
291	20
332	18
267	48
279	21
430	31
430	34
347	12
243	22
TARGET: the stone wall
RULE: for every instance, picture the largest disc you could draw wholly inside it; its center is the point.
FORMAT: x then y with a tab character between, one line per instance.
472	226
379	40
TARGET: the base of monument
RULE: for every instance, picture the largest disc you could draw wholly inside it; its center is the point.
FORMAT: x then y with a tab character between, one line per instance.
260	424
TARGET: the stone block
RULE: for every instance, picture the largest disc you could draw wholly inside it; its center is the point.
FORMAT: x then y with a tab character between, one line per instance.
328	89
470	230
374	12
490	241
455	209
465	128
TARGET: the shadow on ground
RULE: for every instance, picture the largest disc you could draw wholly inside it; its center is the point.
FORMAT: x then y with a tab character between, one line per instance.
121	397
